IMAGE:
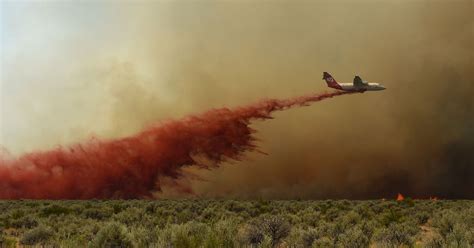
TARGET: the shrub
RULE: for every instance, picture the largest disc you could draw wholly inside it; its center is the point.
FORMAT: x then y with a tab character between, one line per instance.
294	239
276	227
350	219
130	216
460	236
191	234
323	242
251	234
445	221
54	210
390	216
354	237
334	230
455	226
6	242
39	235
113	235
24	222
17	214
435	241
143	237
184	216
396	235
165	238
310	217
117	207
309	236
225	231
422	217
98	213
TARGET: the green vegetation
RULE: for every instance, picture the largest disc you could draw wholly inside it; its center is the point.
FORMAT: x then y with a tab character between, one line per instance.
232	223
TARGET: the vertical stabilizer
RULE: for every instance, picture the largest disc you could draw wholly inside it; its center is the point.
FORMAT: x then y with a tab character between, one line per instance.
331	81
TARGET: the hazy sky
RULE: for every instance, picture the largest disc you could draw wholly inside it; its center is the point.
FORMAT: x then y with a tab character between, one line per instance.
70	70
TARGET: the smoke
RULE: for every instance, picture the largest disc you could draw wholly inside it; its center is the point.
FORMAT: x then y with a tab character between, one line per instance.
109	69
132	167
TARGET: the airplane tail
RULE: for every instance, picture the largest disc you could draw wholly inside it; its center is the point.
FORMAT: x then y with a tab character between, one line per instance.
331	81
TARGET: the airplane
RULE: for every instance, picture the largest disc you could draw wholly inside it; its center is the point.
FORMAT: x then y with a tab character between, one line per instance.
358	84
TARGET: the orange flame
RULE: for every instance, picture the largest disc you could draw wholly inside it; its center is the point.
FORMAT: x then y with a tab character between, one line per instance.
400	197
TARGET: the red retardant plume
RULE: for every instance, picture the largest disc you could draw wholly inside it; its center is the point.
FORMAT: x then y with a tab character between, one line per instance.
131	167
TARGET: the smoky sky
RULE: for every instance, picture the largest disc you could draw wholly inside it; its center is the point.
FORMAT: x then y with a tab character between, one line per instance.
75	70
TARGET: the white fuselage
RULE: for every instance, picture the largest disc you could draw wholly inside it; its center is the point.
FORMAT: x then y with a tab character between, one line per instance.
364	87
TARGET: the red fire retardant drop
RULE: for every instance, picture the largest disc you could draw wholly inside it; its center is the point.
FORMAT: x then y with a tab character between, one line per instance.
131	167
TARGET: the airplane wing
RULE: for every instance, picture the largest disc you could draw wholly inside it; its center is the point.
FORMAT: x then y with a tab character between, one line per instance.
358	81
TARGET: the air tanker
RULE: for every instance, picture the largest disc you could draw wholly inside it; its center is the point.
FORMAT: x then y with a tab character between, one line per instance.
358	84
